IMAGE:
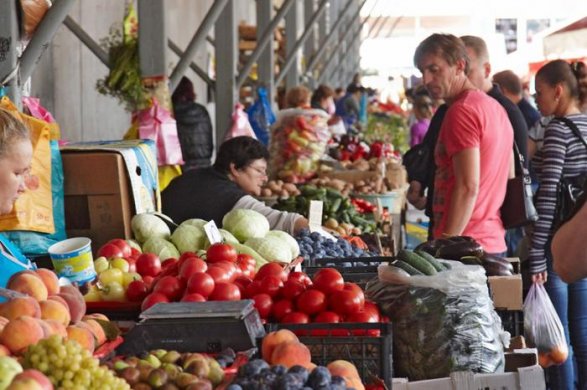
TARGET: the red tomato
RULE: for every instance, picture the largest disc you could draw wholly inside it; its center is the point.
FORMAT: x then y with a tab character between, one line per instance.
295	317
132	263
291	289
190	266
123	245
225	292
300	277
271	269
218	273
136	291
327	317
170	262
148	280
153	299
148	264
253	289
135	252
193	297
186	255
221	252
363	317
328	280
231	268
281	308
170	286
270	285
263	304
372	308
346	302
247	264
311	302
200	283
110	251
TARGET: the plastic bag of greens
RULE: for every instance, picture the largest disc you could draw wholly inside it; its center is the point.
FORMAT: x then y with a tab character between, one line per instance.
441	323
543	328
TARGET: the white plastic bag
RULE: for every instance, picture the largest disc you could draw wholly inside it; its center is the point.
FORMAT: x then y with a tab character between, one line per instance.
543	328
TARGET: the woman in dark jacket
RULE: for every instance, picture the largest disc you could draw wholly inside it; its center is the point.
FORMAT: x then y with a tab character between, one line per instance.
194	127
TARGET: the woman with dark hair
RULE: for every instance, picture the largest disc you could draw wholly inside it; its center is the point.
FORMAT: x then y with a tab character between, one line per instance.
194	127
16	154
323	98
239	172
562	155
580	71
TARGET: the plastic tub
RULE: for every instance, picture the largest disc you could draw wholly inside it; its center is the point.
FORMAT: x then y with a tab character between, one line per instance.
72	259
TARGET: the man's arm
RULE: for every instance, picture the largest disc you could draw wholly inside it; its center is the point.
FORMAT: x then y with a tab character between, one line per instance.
569	248
466	165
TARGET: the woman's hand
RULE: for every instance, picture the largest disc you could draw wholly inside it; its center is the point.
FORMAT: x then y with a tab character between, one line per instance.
540	277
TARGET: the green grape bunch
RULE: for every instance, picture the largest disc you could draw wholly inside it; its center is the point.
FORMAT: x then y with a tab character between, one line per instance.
70	366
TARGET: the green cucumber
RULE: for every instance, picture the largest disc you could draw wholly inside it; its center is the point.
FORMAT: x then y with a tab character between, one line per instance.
438	266
417	262
406	267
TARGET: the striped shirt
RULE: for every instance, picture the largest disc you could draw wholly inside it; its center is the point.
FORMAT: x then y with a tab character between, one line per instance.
562	155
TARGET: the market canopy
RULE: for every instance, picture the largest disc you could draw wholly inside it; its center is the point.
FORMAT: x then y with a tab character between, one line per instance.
569	41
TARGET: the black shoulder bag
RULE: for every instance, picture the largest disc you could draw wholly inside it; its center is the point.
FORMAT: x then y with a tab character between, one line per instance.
417	162
518	206
570	189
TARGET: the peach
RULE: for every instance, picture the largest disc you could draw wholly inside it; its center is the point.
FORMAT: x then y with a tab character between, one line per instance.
28	283
95	316
348	371
50	280
58	299
47	329
16	307
75	301
36	376
83	336
291	353
57	328
272	339
3	322
52	309
4	351
18	334
96	329
24	384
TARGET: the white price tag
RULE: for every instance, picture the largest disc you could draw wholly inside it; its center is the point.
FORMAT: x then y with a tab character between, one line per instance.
315	215
212	232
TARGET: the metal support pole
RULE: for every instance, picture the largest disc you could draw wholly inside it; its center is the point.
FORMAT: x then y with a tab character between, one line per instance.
193	66
9	38
395	23
292	19
266	63
43	36
376	34
266	37
152	38
308	29
310	43
226	61
197	40
87	40
324	45
374	25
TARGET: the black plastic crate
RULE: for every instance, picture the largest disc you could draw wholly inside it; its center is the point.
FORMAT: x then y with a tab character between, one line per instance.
354	261
354	342
356	273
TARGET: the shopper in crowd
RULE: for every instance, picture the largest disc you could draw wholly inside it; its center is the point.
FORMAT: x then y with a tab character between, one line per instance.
511	87
348	106
562	155
423	112
298	97
323	98
16	154
580	72
473	152
194	127
239	172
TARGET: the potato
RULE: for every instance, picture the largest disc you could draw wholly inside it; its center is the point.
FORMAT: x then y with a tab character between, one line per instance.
279	183
331	223
273	186
341	230
289	187
356	231
284	194
266	192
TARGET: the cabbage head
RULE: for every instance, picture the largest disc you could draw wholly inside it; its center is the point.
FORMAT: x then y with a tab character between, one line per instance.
271	248
287	240
146	226
188	238
161	247
245	224
197	222
227	238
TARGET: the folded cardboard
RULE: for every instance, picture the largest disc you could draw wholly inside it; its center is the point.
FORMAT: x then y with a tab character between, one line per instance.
526	378
523	357
506	291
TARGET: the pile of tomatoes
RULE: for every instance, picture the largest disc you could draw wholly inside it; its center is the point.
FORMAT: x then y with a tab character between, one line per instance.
296	298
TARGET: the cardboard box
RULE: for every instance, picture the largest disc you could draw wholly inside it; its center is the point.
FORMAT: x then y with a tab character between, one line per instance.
523	357
506	291
98	198
526	378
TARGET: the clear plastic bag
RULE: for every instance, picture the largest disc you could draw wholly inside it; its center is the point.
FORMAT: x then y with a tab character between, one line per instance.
543	328
441	323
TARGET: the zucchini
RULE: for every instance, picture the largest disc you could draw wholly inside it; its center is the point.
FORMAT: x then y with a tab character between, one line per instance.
417	262
438	266
406	267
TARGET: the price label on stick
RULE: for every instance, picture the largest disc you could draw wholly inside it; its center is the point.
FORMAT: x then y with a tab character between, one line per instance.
315	215
212	232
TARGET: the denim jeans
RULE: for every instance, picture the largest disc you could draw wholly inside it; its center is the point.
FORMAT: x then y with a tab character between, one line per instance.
570	302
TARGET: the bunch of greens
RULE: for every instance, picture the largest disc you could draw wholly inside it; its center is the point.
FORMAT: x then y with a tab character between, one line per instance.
388	128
